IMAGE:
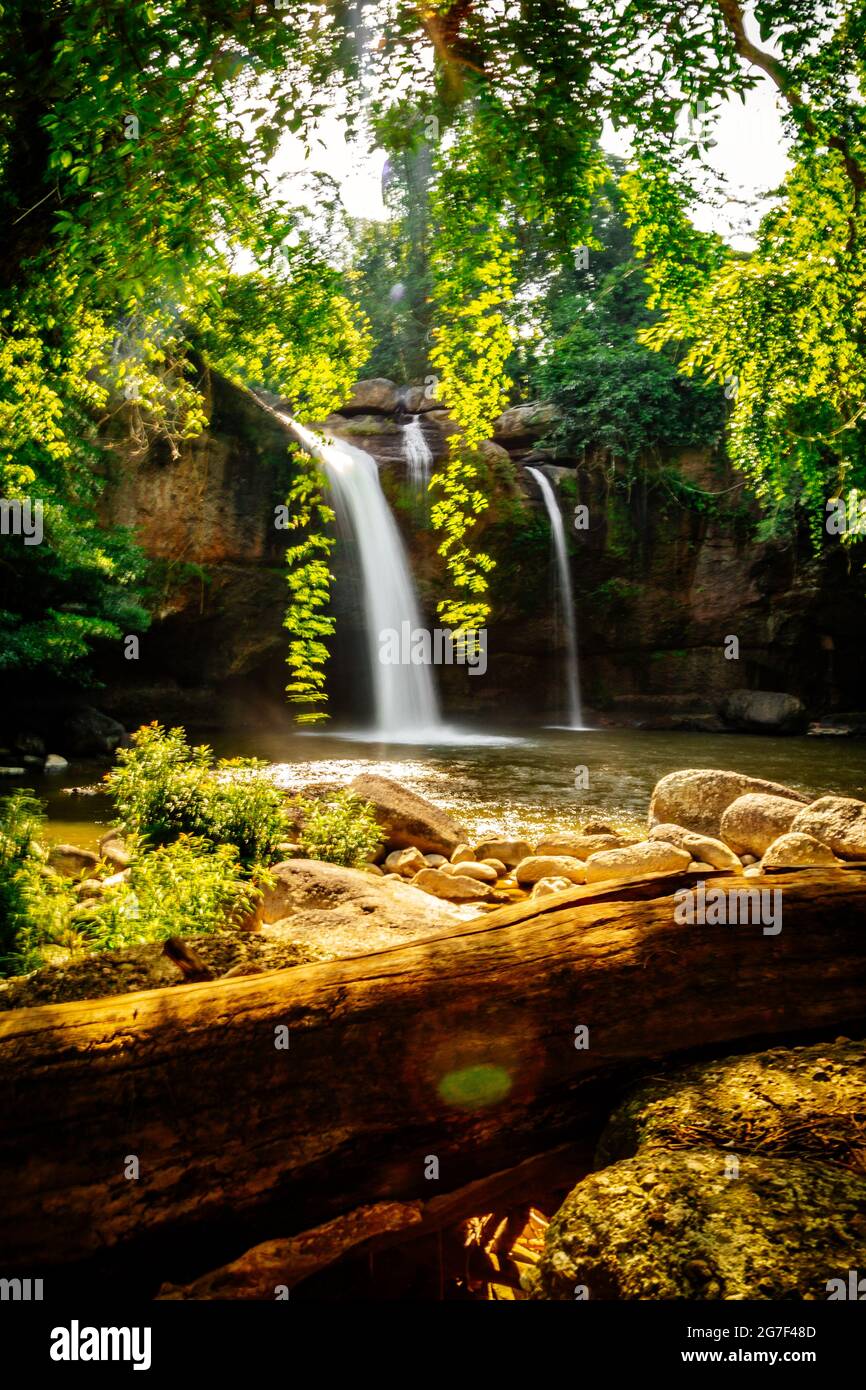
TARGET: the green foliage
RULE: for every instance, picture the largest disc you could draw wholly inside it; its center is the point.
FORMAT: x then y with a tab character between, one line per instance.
309	579
341	830
163	788
21	822
133	145
187	887
785	325
620	402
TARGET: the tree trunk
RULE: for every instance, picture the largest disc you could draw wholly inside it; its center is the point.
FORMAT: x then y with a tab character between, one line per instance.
456	1055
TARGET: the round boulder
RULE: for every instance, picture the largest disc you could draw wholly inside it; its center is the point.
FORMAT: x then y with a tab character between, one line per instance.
649	857
838	822
752	822
537	866
795	850
696	798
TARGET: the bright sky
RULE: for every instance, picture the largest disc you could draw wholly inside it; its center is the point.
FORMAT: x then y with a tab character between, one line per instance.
749	154
749	157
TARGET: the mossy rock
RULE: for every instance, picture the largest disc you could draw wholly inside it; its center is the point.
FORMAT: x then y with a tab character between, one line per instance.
785	1102
672	1224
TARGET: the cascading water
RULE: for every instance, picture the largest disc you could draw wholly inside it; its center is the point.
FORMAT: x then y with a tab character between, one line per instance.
406	705
416	452
565	597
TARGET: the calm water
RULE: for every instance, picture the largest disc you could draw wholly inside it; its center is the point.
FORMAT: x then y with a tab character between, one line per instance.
517	783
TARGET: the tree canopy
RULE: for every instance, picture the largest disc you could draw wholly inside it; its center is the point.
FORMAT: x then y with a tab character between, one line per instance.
144	235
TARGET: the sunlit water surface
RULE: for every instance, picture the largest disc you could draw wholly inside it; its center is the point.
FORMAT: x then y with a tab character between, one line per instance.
518	781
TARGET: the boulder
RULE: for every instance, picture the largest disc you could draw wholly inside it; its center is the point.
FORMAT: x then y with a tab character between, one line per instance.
29	745
496	864
748	1210
508	852
376	394
649	857
405	862
760	1101
795	850
115	853
451	887
545	886
839	822
526	422
577	846
697	797
675	1224
349	910
71	860
462	854
754	821
764	712
434	861
598	827
482	872
538	866
89	888
407	819
701	847
88	733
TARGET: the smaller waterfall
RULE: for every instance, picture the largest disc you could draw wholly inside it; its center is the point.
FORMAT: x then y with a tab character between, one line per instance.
565	597
416	452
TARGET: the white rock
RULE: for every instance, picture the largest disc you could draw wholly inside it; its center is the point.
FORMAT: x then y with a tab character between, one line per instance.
453	887
508	852
545	886
649	857
701	847
695	798
538	866
482	872
405	861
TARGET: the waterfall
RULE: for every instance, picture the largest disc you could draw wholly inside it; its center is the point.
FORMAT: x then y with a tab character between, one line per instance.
416	452
564	595
406	705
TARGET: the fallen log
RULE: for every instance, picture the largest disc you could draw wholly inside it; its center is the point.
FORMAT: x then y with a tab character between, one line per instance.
261	1106
282	1264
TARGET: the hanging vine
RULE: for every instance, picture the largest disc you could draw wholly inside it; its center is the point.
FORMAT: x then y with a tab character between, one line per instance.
473	275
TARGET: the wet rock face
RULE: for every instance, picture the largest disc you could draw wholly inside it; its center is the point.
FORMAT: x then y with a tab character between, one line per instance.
739	1178
674	1224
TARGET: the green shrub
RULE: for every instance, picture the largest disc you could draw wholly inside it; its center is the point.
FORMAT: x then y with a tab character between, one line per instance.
187	887
341	830
21	822
163	788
